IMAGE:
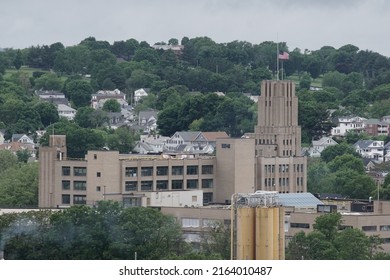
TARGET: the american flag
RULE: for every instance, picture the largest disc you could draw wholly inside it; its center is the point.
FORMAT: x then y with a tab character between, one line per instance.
284	55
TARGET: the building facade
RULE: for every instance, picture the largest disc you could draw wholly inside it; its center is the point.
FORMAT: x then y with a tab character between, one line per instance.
269	160
279	165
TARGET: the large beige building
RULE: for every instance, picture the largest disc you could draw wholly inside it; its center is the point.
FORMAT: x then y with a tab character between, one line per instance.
268	159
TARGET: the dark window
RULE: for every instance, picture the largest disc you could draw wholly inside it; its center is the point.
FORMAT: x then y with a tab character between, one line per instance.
98	174
94	156
225	146
98	188
177	170
146	171
79	199
207	169
131	172
162	185
207	198
192	184
177	184
131	201
66	171
162	170
130	186
300	225
384	228
80	171
368	228
192	170
207	183
80	185
66	199
66	185
146	185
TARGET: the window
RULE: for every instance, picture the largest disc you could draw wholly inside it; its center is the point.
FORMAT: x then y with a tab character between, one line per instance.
384	228
207	169
207	197
300	225
94	156
192	170
146	171
66	199
162	185
98	188
225	146
80	171
131	172
131	201
146	185
192	184
177	184
130	186
80	185
162	170
79	199
207	183
209	223
66	171
177	170
368	228
98	174
66	185
190	222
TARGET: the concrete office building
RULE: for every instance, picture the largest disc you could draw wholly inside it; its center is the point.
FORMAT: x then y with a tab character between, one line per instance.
267	159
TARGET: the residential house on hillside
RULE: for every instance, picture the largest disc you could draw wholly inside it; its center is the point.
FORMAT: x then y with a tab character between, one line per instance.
177	49
51	96
317	146
376	127
370	149
98	99
150	144
148	120
194	141
348	123
66	111
19	142
180	138
139	94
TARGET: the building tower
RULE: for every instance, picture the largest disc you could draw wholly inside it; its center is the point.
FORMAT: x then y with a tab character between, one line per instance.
279	165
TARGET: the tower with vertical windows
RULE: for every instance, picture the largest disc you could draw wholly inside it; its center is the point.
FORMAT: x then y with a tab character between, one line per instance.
279	165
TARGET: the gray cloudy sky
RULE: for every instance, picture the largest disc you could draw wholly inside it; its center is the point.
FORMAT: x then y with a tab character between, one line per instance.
306	24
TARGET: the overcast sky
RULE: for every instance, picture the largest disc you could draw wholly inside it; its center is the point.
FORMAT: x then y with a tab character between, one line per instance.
304	24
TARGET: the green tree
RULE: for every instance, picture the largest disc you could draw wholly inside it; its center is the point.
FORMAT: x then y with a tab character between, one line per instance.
79	92
123	140
19	186
18	61
111	105
7	160
337	150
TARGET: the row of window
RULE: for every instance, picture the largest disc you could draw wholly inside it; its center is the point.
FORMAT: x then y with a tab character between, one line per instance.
77	199
283	168
77	185
77	171
164	170
364	228
195	223
164	185
283	182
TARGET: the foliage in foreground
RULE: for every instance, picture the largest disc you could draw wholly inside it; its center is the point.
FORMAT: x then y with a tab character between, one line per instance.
328	242
107	231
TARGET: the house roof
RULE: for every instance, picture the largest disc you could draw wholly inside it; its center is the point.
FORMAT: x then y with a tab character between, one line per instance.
188	136
364	144
63	107
15	137
147	114
323	141
214	135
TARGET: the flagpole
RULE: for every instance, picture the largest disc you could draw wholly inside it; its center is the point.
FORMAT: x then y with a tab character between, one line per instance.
277	57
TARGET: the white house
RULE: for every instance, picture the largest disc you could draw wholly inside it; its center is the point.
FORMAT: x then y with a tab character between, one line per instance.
319	145
96	99
66	111
181	138
371	149
150	144
139	94
346	124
